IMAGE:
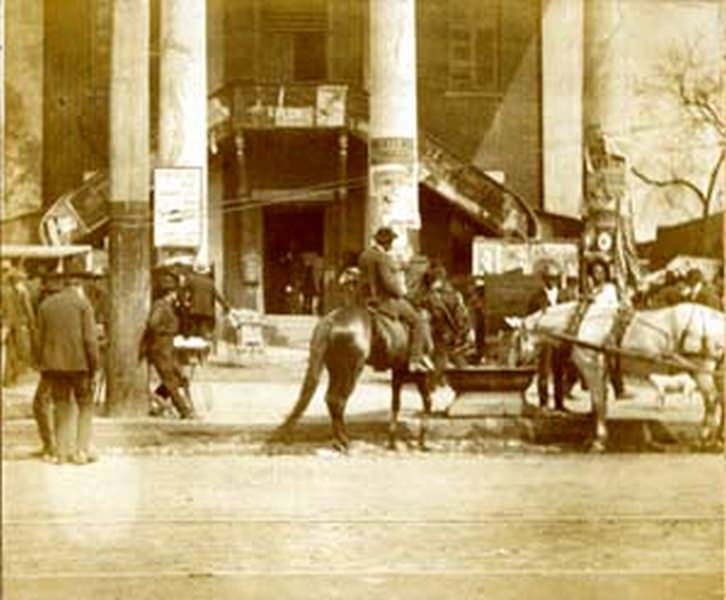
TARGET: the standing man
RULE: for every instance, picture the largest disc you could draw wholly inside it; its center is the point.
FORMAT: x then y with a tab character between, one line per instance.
43	397
604	293
699	292
382	286
549	360
201	298
477	315
161	329
68	345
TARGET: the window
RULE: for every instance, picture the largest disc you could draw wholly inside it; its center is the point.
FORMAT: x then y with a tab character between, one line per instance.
309	56
295	40
473	46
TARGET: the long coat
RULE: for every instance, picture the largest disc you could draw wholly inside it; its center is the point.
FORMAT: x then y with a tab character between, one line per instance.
67	337
381	281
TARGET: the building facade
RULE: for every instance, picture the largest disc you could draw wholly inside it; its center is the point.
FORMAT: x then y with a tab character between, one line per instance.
505	92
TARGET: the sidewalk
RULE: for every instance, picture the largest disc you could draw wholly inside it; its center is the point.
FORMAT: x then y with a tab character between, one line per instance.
242	404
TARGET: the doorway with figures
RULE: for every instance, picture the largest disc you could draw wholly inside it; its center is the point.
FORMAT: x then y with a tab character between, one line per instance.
293	250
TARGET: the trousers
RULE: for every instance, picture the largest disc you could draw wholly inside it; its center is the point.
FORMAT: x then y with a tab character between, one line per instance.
73	411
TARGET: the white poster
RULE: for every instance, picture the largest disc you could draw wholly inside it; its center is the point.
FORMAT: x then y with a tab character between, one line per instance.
330	105
177	207
396	188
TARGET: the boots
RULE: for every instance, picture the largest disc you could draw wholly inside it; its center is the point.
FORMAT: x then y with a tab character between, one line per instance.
183	404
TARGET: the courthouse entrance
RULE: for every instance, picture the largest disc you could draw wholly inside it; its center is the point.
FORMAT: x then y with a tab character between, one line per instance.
293	251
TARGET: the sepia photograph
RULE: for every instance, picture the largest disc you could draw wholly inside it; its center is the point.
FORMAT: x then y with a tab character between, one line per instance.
362	299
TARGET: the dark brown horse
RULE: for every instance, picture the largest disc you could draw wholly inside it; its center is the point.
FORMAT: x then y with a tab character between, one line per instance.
343	342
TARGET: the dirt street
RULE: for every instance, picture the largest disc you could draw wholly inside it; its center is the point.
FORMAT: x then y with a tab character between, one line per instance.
405	525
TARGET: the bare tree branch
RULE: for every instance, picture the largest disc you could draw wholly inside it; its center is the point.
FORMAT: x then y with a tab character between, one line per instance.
713	177
675	181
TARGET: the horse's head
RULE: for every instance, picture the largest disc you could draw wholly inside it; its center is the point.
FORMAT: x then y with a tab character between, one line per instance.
524	345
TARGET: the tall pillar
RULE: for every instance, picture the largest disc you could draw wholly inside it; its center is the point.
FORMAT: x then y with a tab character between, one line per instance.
393	131
607	212
183	96
129	239
562	86
250	236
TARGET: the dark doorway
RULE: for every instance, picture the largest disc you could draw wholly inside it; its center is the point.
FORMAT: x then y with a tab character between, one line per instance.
293	249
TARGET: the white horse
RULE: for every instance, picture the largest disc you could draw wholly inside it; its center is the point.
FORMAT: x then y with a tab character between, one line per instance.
688	337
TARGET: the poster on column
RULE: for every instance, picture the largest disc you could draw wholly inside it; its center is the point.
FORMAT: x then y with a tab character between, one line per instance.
177	207
395	189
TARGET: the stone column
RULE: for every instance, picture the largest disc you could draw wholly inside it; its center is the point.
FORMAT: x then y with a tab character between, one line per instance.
250	233
129	237
183	96
392	145
562	85
606	121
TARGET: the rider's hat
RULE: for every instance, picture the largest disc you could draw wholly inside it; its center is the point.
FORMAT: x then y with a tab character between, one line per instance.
385	234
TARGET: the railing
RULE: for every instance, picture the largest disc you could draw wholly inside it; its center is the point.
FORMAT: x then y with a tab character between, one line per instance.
266	105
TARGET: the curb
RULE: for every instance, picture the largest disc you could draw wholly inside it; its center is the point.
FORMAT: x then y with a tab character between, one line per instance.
573	431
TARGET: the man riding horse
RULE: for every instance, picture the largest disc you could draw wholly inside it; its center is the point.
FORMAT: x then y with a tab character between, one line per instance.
383	289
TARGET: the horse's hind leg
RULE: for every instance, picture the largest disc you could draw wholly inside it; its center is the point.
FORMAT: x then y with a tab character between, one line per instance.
340	387
424	383
396	385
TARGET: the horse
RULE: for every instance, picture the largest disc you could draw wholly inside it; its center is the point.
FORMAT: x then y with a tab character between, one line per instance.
343	342
684	337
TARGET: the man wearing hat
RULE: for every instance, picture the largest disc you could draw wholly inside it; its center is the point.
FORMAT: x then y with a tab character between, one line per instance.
477	315
382	286
161	329
550	359
699	292
69	357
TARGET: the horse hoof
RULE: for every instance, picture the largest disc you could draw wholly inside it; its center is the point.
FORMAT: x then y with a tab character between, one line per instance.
424	447
598	447
393	445
340	446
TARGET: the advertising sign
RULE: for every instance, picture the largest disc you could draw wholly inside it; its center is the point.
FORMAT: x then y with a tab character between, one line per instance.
177	207
330	105
497	256
396	190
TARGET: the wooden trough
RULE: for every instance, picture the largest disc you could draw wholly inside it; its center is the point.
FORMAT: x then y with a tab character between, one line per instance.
489	390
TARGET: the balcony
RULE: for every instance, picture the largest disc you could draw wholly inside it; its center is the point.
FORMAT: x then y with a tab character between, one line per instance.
272	106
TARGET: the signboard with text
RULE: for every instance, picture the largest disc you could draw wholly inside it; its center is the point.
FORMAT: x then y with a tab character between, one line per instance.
177	207
497	256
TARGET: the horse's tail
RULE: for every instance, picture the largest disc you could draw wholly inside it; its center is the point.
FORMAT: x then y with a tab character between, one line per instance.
316	362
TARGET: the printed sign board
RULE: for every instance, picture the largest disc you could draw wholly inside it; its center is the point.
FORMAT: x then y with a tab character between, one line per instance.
497	256
330	105
177	207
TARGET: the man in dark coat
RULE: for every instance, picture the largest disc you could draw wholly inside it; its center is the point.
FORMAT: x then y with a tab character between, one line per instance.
478	313
69	358
382	286
551	357
161	328
201	295
43	397
699	292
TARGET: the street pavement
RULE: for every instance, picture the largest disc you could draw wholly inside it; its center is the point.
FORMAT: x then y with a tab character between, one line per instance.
366	525
243	398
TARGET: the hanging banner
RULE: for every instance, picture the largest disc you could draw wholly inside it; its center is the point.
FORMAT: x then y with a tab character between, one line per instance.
177	207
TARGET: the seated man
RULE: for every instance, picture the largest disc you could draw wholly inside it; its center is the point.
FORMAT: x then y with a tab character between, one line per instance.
382	286
449	317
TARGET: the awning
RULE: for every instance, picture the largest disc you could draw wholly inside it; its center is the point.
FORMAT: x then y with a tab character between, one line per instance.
495	205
